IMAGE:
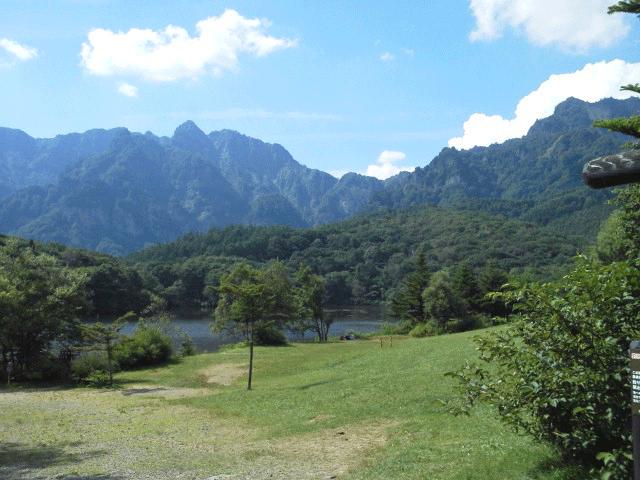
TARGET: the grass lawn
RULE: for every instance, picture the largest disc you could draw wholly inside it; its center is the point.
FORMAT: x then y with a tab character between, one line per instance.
349	410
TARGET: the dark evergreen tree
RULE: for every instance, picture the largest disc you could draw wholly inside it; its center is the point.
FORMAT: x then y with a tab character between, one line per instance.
465	285
407	306
626	6
492	279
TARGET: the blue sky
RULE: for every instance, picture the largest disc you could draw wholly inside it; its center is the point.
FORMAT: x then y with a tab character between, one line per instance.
371	87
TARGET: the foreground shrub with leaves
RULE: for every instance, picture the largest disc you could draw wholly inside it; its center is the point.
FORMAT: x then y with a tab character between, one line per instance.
147	346
87	363
560	370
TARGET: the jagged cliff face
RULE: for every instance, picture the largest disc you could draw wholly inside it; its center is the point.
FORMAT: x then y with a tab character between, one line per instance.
117	191
545	162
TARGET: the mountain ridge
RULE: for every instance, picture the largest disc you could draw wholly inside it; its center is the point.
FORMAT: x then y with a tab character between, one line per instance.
116	191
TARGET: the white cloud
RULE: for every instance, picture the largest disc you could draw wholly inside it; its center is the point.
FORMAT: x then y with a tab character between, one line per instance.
594	82
571	24
386	167
172	54
127	90
19	51
387	57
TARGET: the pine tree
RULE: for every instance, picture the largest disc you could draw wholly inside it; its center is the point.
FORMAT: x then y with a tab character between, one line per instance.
626	6
627	125
407	305
466	286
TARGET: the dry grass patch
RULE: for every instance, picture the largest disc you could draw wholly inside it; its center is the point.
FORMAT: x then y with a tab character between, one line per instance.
326	454
223	373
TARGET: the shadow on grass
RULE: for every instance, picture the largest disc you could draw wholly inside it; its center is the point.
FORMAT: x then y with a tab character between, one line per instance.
125	382
134	391
557	469
17	460
315	384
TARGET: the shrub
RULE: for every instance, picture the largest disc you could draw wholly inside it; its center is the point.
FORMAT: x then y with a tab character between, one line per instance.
144	348
187	348
87	363
269	336
98	379
560	370
463	324
389	329
422	330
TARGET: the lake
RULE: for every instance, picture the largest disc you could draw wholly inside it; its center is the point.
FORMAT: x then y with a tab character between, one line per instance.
361	319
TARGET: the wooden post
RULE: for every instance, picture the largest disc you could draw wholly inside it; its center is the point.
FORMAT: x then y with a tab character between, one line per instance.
391	341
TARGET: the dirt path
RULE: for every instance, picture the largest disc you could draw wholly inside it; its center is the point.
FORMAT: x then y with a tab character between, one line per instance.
143	433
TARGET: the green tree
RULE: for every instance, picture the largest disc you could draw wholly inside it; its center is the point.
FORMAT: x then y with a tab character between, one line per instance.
492	279
407	305
309	302
39	303
465	284
337	288
626	6
114	289
442	305
612	244
560	370
104	337
251	298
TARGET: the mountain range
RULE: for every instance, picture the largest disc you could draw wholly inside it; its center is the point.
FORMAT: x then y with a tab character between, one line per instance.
117	191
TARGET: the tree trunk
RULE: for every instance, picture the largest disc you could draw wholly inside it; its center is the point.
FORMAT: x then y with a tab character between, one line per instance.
109	349
250	359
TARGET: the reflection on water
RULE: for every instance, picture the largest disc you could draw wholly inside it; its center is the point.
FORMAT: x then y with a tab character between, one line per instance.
361	319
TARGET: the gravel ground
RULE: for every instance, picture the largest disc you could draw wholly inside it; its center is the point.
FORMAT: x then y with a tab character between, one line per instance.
139	433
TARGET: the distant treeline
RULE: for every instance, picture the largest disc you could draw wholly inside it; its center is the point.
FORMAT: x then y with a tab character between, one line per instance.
363	260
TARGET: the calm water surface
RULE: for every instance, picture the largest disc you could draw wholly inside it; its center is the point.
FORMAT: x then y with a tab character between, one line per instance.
362	319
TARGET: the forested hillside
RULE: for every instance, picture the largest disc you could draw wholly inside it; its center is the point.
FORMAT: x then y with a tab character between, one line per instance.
363	259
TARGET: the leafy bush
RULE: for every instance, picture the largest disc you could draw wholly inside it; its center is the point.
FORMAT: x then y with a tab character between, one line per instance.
389	329
422	330
187	348
269	336
144	348
560	370
98	379
87	363
463	324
